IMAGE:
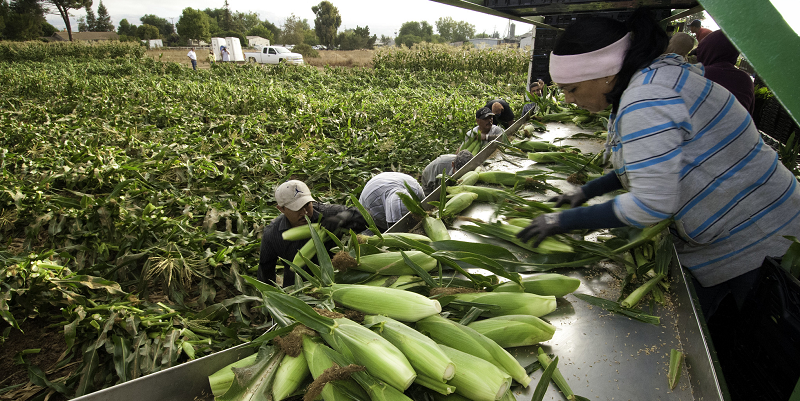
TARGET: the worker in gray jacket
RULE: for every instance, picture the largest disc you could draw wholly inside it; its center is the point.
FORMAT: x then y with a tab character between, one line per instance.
448	163
380	197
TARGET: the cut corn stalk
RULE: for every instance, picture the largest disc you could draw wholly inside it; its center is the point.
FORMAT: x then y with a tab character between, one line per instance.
485	194
402	305
318	362
469	178
300	232
221	380
511	303
558	378
393	264
544	381
458	203
514	330
465	339
291	373
476	378
425	356
435	385
435	229
631	300
553	284
675	366
357	343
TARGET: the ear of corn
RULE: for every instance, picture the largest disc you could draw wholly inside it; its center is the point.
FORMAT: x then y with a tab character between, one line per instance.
318	361
292	372
402	305
393	264
469	178
558	379
308	250
465	339
435	385
425	356
377	390
300	232
382	359
514	330
510	303
502	178
435	229
221	380
536	146
476	378
553	284
485	194
549	244
458	203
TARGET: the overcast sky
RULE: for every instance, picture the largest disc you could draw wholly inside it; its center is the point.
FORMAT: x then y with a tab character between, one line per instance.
384	17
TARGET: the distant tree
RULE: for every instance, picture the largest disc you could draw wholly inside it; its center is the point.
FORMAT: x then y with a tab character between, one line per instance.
482	35
454	31
47	29
386	39
4	11
247	21
125	28
193	24
226	22
63	7
147	32
88	23
310	37
165	27
276	31
23	20
327	22
354	39
103	22
293	31
414	32
261	30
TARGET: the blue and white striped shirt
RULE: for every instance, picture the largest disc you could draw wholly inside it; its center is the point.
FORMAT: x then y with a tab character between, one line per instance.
684	147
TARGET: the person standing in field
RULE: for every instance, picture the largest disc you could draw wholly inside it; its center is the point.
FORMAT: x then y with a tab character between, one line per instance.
485	128
225	55
295	202
193	57
380	197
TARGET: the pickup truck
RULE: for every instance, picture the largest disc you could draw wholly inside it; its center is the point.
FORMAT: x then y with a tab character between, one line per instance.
274	55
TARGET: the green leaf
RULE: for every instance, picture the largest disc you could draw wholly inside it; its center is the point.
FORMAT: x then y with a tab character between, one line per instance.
70	329
366	215
324	258
675	366
300	311
38	378
488	250
412	205
4	311
481	262
419	271
615	307
93	283
253	383
544	381
122	357
90	361
791	260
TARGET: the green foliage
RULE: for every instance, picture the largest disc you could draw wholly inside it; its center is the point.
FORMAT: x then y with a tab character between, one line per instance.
165	28
103	22
294	29
354	39
147	32
414	32
37	51
261	30
242	38
306	50
454	31
426	56
326	22
194	24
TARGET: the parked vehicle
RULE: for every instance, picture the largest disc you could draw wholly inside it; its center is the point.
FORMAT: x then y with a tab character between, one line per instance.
274	55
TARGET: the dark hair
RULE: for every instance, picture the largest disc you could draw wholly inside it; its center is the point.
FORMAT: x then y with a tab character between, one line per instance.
462	158
647	43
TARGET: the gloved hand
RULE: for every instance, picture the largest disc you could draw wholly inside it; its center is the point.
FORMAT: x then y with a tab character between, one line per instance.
541	228
346	220
576	199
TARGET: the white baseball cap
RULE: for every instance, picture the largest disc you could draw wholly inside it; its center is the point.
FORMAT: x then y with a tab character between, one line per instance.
293	194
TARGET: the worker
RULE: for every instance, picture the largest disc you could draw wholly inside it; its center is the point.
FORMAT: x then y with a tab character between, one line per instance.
696	27
193	58
484	128
535	89
448	164
683	148
295	202
380	197
681	44
225	55
718	56
503	115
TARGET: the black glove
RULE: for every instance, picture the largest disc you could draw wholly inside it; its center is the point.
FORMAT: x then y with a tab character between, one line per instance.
346	220
541	228
574	200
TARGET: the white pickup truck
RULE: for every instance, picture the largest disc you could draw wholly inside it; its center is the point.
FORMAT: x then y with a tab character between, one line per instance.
274	55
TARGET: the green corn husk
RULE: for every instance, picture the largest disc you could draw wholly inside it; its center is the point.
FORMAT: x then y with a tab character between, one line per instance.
549	244
553	284
557	377
393	264
382	359
221	380
300	232
476	378
392	240
536	146
503	178
469	178
485	194
404	282
465	339
512	303
435	228
435	385
289	376
425	356
458	203
631	300
547	157
318	361
675	367
308	250
402	305
514	330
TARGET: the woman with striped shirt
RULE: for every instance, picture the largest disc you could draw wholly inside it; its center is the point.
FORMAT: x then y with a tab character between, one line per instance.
683	147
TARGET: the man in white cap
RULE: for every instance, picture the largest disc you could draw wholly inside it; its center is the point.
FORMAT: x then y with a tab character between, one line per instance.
295	202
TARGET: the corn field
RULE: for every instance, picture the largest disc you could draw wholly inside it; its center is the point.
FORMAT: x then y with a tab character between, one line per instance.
497	61
133	192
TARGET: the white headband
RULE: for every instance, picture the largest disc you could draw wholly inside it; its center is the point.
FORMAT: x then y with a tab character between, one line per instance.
600	63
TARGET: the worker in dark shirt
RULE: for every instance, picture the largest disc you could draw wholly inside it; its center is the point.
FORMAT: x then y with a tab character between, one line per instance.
294	201
503	115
